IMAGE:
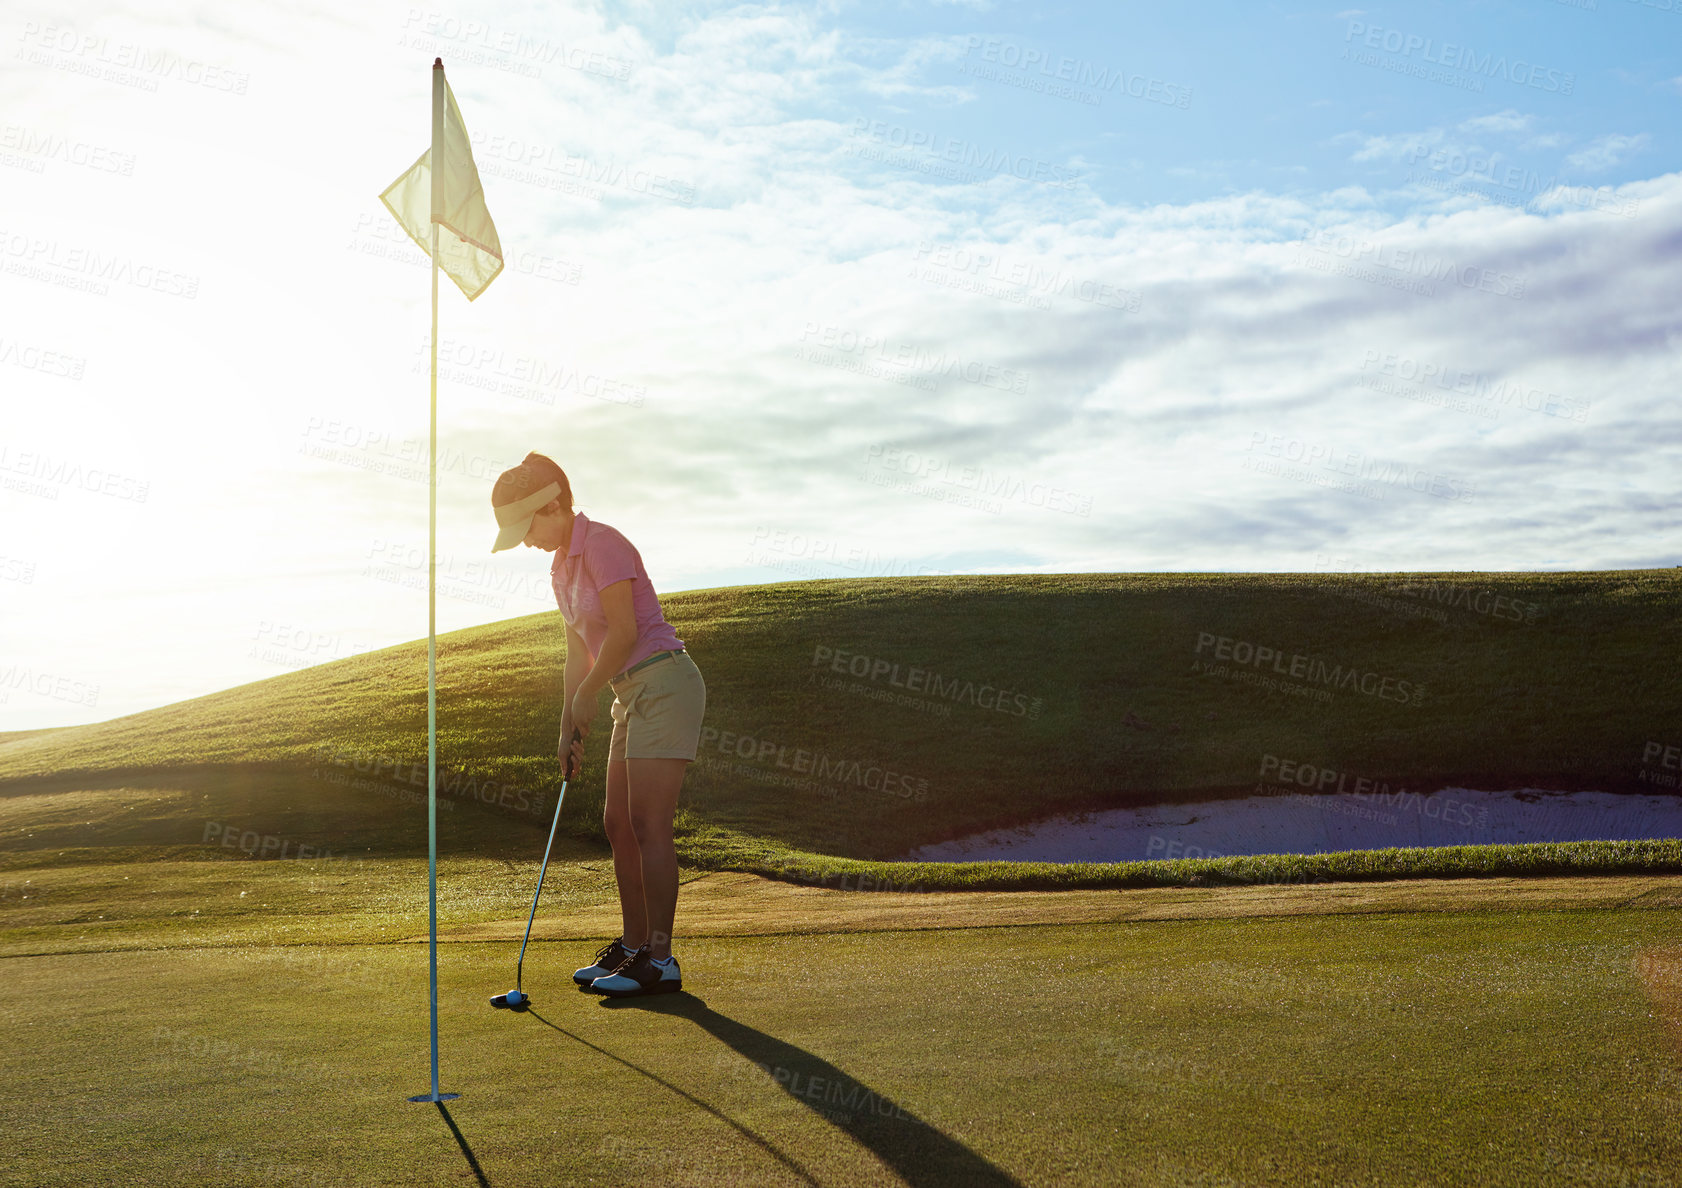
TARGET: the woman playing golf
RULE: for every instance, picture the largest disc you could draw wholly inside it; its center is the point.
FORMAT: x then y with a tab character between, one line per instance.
616	637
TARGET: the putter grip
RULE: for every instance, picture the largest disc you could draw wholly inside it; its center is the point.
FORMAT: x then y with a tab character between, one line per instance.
567	771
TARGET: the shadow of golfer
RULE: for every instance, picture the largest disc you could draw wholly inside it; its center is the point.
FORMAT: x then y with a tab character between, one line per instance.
757	1140
466	1150
918	1152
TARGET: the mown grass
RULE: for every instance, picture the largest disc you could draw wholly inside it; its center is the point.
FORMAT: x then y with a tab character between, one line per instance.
1539	858
1461	1048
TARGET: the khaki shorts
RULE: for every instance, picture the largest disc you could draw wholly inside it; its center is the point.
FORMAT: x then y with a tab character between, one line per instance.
657	711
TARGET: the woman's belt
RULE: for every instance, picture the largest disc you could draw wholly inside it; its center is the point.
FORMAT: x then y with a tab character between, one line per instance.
654	659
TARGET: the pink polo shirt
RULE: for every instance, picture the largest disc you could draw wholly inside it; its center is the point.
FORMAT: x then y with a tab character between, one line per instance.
598	557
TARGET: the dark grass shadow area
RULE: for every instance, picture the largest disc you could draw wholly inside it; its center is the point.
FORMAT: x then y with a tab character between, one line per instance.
917	1151
757	1140
461	1141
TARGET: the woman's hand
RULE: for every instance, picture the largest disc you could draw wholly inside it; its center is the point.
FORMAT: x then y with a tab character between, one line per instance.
570	757
583	712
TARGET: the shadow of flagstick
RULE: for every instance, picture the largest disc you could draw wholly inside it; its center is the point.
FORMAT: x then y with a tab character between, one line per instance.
757	1140
465	1149
920	1154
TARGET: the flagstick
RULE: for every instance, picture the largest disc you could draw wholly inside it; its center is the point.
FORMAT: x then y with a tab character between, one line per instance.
432	587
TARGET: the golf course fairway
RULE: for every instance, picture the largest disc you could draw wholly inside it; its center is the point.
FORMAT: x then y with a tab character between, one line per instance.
1379	1033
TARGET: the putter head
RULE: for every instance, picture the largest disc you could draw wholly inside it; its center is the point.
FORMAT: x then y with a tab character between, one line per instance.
500	1002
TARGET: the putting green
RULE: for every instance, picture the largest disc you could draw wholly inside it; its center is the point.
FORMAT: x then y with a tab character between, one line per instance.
1375	1045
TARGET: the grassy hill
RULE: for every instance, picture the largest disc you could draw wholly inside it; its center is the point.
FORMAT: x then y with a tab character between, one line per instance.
861	718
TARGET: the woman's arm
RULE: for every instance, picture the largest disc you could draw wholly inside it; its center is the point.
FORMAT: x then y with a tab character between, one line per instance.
577	666
616	649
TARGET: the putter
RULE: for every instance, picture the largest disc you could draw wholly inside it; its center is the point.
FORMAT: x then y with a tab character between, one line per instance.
517	999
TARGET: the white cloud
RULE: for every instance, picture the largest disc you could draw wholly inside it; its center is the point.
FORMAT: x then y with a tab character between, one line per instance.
1603	152
1503	121
1401	146
1408	146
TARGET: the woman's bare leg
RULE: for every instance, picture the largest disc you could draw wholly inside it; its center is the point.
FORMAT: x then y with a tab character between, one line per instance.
651	800
627	861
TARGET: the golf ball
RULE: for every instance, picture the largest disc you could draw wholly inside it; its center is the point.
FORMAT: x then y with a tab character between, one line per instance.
515	998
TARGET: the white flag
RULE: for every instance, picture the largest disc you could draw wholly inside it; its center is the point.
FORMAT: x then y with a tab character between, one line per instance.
468	248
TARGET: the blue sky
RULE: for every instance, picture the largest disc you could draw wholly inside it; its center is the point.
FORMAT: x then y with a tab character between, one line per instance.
1278	97
816	291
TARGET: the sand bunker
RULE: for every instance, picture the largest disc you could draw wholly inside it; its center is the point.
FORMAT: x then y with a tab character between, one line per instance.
1309	823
